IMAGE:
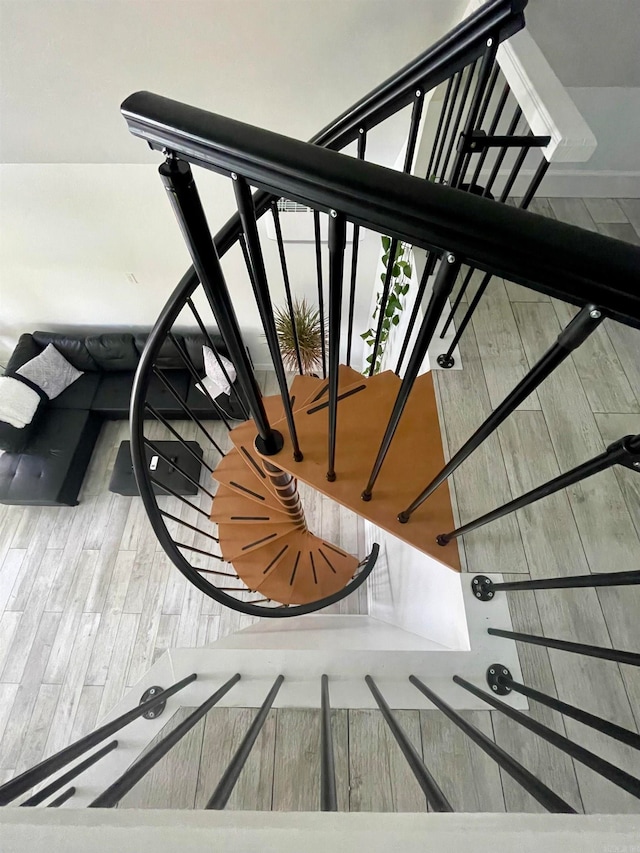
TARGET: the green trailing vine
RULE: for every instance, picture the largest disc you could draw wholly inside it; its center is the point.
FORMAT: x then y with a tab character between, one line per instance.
398	289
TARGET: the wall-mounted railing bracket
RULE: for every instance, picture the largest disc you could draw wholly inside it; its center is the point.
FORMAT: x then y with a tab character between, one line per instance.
481	586
149	694
496	679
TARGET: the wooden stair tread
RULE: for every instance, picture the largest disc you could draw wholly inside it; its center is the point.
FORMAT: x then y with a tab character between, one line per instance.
230	507
252	568
415	457
239	539
241	477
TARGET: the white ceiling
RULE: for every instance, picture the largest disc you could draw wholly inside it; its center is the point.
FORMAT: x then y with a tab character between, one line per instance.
288	65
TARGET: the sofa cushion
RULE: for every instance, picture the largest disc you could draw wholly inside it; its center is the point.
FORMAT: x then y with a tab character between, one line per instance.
194	343
79	395
168	357
26	349
51	473
200	404
113	351
50	372
21	402
72	348
113	397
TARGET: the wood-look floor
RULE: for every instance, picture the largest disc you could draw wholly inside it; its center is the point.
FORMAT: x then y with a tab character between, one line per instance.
88	599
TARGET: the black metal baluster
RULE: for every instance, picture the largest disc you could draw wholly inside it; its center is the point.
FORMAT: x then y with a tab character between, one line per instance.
186	524
54	804
502	152
625	451
184	357
186	409
532	785
457	79
619	655
445	279
488	92
458	300
61	781
436	140
515	171
206	554
154	447
217	356
328	795
185	201
246	210
362	144
174	494
178	437
532	189
287	284
485	589
115	792
337	240
492	129
589	759
21	783
225	786
318	247
430	788
574	334
456	125
504	684
426	272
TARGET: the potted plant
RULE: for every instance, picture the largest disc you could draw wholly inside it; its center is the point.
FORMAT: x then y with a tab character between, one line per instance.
310	330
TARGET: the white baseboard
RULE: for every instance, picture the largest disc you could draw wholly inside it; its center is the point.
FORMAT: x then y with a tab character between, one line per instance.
577	183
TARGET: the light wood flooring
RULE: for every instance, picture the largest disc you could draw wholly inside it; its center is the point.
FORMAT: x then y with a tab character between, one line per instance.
88	600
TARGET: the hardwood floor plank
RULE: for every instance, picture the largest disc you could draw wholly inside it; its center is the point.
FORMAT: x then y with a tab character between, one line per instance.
69	559
223	733
296	777
626	342
9	622
631	208
108	554
573	211
8	694
86	718
624	232
145	642
9	572
606	529
186	636
165	638
468	777
116	680
613	427
37	731
380	778
172	783
605	210
30	565
481	482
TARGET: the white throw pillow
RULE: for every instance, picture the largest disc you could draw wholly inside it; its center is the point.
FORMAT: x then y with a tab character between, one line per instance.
215	381
50	371
18	402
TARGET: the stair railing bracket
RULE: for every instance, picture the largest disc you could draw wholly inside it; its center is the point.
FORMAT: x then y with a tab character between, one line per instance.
482	588
496	676
149	694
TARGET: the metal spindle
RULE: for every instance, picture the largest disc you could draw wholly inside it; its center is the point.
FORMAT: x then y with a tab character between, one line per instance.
24	781
183	194
54	804
287	283
225	786
433	793
609	771
328	795
190	526
569	339
458	300
174	494
173	464
625	451
436	140
247	213
115	792
206	554
492	129
184	356
61	781
217	356
502	152
515	171
186	409
484	588
318	247
426	272
457	79
156	414
501	678
362	144
458	119
619	655
532	785
337	240
445	279
488	92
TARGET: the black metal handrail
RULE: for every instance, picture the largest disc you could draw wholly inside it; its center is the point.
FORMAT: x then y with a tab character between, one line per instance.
561	260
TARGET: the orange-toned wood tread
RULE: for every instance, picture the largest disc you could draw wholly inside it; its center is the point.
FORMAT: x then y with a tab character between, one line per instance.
415	457
229	507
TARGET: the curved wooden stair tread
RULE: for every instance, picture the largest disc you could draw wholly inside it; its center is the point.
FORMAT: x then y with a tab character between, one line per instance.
229	507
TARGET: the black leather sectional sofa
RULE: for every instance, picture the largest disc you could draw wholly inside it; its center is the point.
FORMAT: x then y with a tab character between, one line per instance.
49	467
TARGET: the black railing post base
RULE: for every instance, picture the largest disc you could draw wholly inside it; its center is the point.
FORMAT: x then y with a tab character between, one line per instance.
403	517
445	360
149	694
272	445
481	585
365	496
496	674
441	538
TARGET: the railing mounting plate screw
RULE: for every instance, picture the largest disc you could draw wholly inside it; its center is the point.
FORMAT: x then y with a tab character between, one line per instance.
636	464
595	314
333	213
234	177
451	258
418	93
489	42
494	686
361	130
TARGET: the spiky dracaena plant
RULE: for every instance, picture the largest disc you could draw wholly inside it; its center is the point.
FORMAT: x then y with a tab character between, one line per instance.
311	330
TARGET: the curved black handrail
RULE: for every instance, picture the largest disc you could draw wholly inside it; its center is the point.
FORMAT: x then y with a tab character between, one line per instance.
564	261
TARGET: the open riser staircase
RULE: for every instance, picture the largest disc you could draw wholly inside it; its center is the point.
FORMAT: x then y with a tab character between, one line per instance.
366	439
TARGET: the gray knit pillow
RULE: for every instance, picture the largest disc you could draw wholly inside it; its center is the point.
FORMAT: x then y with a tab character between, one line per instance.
50	371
